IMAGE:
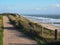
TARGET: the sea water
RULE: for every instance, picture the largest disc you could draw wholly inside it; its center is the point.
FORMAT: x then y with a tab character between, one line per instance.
51	19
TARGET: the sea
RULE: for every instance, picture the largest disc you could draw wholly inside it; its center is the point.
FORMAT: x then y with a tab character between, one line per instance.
50	19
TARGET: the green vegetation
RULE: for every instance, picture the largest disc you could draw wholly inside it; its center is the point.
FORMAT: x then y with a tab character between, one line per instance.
1	30
32	29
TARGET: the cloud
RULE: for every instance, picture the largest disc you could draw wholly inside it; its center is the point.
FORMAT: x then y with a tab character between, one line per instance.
38	9
55	5
45	8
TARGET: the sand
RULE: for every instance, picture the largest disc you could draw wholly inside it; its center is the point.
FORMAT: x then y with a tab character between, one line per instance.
46	25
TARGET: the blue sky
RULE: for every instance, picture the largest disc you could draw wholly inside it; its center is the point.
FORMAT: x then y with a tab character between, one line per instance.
30	6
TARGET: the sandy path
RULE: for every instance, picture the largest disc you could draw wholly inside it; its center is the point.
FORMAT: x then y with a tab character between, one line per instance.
13	37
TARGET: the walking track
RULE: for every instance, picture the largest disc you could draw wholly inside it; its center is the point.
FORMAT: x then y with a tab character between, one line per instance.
14	37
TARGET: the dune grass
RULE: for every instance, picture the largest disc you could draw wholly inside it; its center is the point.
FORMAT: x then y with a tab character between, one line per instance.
1	30
32	29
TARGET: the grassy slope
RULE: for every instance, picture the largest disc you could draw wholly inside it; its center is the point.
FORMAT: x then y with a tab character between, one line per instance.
32	29
1	30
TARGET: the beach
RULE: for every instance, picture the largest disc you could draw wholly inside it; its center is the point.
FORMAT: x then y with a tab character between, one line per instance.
46	25
50	19
35	28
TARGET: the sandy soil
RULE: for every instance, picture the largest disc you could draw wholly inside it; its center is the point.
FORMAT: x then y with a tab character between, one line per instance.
49	26
13	37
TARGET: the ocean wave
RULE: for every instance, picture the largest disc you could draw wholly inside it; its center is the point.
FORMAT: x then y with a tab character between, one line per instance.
45	20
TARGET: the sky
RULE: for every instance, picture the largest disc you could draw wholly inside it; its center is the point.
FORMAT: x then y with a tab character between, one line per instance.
30	6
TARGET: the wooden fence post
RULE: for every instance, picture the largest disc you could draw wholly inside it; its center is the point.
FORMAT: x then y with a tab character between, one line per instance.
55	34
41	30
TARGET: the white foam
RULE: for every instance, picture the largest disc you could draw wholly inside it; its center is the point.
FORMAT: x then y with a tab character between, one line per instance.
45	20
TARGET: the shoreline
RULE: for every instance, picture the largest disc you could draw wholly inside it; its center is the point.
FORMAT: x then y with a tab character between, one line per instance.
46	25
